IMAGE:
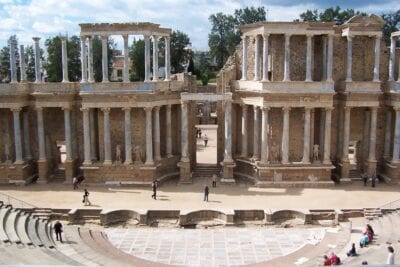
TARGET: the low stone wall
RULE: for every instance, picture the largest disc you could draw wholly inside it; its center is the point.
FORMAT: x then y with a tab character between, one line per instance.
284	215
118	216
194	217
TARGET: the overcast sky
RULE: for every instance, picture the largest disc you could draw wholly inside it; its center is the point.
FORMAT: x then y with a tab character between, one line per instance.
28	18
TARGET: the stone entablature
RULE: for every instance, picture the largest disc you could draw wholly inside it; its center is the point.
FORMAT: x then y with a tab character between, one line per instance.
139	28
284	87
289	28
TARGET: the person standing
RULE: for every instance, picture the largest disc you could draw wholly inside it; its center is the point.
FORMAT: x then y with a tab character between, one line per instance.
86	198
214	182
364	177
206	191
390	258
373	179
205	140
58	230
154	187
75	182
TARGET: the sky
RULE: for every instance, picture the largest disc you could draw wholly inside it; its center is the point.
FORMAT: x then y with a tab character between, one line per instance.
44	18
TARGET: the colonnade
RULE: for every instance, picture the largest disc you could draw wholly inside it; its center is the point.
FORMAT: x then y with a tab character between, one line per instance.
392	59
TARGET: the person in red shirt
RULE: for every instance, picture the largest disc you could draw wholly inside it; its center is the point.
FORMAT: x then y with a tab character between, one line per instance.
327	261
334	259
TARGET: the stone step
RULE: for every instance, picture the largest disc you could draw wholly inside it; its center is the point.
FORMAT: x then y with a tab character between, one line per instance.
4	211
43	234
33	232
10	226
22	228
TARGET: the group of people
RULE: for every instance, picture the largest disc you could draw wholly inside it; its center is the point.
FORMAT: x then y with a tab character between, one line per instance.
199	135
332	260
367	237
374	178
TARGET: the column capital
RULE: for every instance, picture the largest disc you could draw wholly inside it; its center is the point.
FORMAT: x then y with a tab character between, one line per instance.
255	108
39	108
83	38
287	36
349	38
66	108
373	109
126	109
156	108
63	38
184	103
243	106
308	109
396	109
84	109
167	38
104	36
377	37
146	36
244	37
309	35
148	109
16	109
346	108
286	108
105	110
266	108
265	35
125	36
169	106
36	39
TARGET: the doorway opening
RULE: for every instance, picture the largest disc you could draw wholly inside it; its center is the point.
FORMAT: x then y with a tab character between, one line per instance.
206	143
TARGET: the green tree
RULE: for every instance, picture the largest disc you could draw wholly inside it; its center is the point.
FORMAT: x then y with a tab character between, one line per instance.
5	69
392	24
136	54
53	63
179	52
74	62
249	15
330	14
97	57
30	63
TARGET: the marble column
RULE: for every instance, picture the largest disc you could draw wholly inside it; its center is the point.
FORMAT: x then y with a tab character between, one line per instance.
349	59
93	130
244	58
107	141
146	58
346	134
372	134
169	131
13	64
377	57
308	58
83	59
104	57
306	146
41	136
38	77
167	58
392	60
126	58
265	58
285	136
157	153
155	58
256	58
256	133
68	136
27	142
264	135
396	137
86	136
90	59
17	135
64	58
327	137
228	131
22	63
128	136
366	131
244	130
286	74
149	137
184	132
324	58
329	67
388	134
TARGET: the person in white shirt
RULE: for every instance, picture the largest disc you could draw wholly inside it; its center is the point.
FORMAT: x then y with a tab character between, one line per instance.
390	258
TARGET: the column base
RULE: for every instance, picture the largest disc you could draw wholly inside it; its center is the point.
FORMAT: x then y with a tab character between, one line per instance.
107	162
43	171
70	172
149	162
227	171
327	162
371	167
87	162
185	176
345	168
128	162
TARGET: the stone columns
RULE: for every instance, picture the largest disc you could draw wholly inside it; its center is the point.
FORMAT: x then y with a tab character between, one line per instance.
285	136
377	58
126	58
306	146
392	60
38	77
86	136
256	133
104	59
64	57
286	74
349	58
324	58
13	65
67	129
329	67
17	135
308	59
157	153
146	58
265	58
90	59
22	63
128	136
167	58
244	58
346	134
27	144
372	134
149	137
327	137
83	59
396	141
184	133
41	136
155	58
257	58
228	131
169	131
93	129
388	134
107	141
244	130
264	135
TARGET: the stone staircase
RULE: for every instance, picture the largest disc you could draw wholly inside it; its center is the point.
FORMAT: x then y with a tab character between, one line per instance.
372	213
59	175
205	171
355	175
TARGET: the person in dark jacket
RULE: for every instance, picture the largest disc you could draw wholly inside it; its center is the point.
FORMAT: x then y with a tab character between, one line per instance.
206	192
58	230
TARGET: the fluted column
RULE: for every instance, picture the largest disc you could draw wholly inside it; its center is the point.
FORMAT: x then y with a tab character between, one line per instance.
93	130
349	58
244	58
308	59
256	133
306	146
264	134
83	59
257	58
86	136
67	130
155	58
265	58
146	58
228	131
169	131
392	60
38	77
17	135
64	58
372	134
329	67
41	137
167	58
286	74
184	132
327	137
396	141
90	59
285	136
13	64
388	134
377	58
346	134
22	63
126	58
128	136
157	133
27	143
149	137
104	57
324	58
244	130
107	141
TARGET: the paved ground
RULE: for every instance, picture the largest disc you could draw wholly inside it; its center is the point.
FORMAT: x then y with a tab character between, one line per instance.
207	154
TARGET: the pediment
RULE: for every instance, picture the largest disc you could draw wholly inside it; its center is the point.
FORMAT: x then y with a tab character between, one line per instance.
366	20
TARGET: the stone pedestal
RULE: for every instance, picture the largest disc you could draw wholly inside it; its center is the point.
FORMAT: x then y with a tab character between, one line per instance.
43	171
344	169
371	167
70	171
184	172
227	172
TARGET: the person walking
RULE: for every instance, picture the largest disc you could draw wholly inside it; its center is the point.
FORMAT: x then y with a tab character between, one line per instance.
214	181
75	182
390	258
86	198
206	191
154	187
58	230
205	140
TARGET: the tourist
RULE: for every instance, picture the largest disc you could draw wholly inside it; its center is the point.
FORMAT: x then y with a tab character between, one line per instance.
214	181
154	187
205	140
390	258
327	261
364	263
86	198
75	182
58	230
335	260
352	252
364	240
199	133
364	177
369	232
373	179
206	192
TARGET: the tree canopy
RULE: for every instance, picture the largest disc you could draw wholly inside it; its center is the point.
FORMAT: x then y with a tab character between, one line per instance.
5	69
335	14
180	55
